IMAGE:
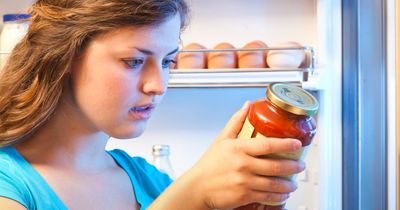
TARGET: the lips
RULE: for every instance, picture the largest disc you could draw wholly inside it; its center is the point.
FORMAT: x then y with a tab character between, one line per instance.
141	112
142	108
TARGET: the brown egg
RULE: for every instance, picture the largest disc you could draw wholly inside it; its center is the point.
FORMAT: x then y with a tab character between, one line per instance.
286	59
253	59
192	60
222	60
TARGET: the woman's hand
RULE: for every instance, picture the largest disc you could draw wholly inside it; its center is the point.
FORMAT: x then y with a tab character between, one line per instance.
231	172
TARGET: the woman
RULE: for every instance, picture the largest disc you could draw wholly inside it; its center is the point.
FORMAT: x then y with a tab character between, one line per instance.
90	69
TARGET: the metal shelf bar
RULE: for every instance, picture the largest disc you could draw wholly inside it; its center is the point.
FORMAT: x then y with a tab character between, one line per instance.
248	49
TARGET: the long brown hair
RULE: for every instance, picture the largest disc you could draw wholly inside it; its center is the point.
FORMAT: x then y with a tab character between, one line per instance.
31	83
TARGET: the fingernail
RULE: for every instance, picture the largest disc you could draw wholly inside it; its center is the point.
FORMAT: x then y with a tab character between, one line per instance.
297	145
285	196
245	105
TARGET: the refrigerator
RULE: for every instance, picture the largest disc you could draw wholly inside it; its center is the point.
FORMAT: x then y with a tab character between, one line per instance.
352	162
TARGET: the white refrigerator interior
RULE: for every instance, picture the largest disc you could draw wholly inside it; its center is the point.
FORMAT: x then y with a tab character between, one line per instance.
189	119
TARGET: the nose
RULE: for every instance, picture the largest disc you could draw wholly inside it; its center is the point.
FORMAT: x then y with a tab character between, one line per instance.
155	80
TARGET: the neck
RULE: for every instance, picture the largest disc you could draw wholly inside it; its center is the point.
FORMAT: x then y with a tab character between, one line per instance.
67	140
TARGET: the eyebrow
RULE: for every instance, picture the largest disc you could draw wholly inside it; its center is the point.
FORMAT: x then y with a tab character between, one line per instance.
149	52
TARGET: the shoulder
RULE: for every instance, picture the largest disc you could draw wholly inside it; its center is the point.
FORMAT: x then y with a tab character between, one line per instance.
145	174
11	181
124	159
6	203
137	164
6	156
9	163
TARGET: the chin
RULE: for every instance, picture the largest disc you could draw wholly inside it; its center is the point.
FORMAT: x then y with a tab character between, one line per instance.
135	134
128	133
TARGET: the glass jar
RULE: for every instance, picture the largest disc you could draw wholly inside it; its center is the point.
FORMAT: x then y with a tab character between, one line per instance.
286	112
14	29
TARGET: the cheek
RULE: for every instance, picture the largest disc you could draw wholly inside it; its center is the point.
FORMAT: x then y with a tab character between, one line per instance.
116	91
107	94
120	91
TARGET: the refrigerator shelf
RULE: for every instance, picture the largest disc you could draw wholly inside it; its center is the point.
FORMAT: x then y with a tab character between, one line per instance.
305	48
236	77
242	77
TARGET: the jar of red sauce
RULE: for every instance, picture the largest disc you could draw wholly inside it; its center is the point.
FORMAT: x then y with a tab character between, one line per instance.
286	112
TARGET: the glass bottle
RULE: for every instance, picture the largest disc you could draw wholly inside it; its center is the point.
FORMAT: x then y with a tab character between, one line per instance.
161	160
286	112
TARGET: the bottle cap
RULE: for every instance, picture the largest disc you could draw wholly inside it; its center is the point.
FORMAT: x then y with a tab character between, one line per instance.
292	99
160	149
15	17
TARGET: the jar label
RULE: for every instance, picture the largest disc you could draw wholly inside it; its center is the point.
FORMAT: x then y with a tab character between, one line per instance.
247	132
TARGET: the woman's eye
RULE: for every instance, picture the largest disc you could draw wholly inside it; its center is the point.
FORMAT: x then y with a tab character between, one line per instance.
133	63
167	63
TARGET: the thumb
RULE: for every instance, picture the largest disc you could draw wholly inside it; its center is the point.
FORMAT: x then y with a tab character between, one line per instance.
235	124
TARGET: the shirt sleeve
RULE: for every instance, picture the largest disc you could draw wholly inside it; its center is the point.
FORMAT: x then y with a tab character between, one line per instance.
10	185
154	180
148	182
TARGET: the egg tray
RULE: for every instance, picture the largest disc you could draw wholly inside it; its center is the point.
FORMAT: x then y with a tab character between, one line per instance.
308	66
243	77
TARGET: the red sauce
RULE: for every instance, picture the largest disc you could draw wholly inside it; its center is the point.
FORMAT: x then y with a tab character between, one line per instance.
269	119
272	121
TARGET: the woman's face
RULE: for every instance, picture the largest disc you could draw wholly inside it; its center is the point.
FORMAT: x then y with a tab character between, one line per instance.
122	76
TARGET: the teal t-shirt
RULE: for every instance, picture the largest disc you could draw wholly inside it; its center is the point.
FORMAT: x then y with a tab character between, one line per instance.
21	182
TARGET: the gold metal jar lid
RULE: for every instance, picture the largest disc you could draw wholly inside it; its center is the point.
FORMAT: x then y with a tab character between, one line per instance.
292	99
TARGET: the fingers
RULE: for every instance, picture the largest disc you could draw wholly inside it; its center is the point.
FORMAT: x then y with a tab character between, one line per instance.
275	167
269	189
235	124
272	184
264	146
260	196
256	188
269	166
